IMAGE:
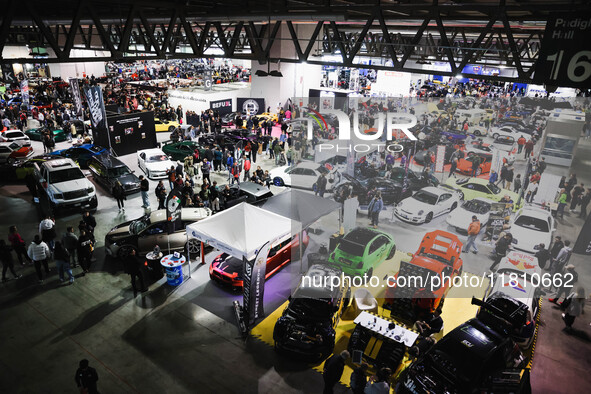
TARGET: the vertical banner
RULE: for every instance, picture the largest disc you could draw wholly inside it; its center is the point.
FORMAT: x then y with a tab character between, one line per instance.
25	94
254	285
207	80
173	211
75	87
440	158
8	74
96	106
354	80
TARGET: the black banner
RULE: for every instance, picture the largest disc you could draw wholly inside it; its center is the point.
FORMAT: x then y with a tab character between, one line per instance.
250	106
8	74
565	58
583	244
173	211
222	106
207	80
129	133
254	286
96	106
75	87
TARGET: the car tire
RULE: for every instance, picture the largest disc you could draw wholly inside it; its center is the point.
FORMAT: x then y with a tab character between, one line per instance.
193	247
429	217
478	133
392	252
10	161
171	129
125	250
461	194
495	136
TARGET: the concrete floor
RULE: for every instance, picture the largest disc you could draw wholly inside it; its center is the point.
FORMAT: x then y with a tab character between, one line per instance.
185	340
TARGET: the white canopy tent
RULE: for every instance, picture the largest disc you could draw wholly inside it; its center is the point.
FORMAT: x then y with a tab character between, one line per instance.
241	230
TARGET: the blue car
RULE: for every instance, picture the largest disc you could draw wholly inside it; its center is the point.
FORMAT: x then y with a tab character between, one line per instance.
455	135
82	154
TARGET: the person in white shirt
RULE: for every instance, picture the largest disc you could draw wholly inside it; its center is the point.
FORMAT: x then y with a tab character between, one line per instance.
39	252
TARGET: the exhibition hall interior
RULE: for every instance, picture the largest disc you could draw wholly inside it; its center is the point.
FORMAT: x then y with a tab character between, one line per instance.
311	196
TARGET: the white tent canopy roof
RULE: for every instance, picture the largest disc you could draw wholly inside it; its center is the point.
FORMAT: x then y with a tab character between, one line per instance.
241	230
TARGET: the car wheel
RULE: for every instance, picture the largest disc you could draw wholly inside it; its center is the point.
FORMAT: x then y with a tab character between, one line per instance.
392	252
125	251
171	129
194	247
478	132
10	161
461	195
495	136
453	206
429	217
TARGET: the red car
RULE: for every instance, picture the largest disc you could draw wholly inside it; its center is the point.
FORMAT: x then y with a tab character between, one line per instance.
13	151
228	270
465	164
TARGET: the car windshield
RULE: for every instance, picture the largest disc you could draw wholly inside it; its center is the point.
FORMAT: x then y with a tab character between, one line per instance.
67	174
13	134
532	223
426	197
118	171
139	225
476	206
351	247
311	308
156	158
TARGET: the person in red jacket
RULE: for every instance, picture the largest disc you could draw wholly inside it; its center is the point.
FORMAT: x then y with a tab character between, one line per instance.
529	147
520	144
18	245
246	169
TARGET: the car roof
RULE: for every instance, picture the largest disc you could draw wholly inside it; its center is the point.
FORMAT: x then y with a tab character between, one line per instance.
534	212
309	164
362	235
61	163
187	214
152	151
108	160
309	288
435	190
252	188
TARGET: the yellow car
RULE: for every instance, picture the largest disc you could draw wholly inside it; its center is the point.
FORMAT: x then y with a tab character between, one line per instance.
268	116
165	125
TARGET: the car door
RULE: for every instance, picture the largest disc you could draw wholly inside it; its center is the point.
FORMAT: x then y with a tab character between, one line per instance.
309	177
482	191
154	234
141	161
296	178
443	204
5	152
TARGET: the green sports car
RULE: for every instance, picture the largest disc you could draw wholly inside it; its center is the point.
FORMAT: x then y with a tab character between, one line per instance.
59	135
471	188
182	149
361	250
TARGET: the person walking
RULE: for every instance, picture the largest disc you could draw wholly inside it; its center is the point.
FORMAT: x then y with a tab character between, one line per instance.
576	194
517	183
562	259
134	268
62	262
520	144
236	173
161	195
18	245
585	199
529	147
47	231
501	248
39	252
230	165
454	166
575	308
473	231
567	274
246	169
70	243
321	185
7	261
86	378
561	203
119	194
375	207
188	166
333	370
359	379
85	248
144	188
205	170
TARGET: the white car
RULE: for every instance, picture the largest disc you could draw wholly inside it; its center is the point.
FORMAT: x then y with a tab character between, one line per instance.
461	218
15	136
426	204
154	163
505	131
304	176
532	226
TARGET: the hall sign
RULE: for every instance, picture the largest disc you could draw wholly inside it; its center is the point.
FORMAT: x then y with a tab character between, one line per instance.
222	106
565	55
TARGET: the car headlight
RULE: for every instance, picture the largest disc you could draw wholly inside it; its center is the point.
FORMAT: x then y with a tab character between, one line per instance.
59	196
420	212
89	189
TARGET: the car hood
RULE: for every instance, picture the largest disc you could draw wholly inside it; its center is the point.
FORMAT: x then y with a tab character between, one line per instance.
461	218
160	165
414	206
527	239
353	180
128	180
279	171
229	265
72	185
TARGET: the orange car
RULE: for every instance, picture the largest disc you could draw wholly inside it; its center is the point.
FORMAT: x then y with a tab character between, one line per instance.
439	255
465	164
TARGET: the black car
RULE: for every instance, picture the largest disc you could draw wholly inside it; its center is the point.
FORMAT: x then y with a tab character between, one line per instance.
107	169
307	326
476	357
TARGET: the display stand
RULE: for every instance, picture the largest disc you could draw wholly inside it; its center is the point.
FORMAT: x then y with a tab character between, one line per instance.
173	267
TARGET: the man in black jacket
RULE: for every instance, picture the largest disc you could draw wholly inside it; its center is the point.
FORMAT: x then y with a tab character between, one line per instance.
133	266
501	249
333	370
543	255
86	378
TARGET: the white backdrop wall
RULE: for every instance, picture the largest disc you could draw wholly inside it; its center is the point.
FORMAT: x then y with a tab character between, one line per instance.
198	100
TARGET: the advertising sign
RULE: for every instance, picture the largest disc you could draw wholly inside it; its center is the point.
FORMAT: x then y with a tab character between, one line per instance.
254	285
75	87
250	106
565	58
208	80
440	158
96	105
222	106
25	93
8	73
173	210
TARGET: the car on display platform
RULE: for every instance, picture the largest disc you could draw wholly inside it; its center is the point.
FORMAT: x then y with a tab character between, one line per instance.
338	162
106	170
479	147
504	131
81	154
303	176
228	119
449	150
27	167
64	185
505	143
391	190
180	150
144	233
15	136
426	204
229	271
154	163
268	116
531	227
461	217
470	188
59	135
361	250
165	125
250	192
455	135
307	326
439	255
475	357
10	152
465	164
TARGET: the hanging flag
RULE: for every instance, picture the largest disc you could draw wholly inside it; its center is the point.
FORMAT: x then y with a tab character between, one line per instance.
25	94
173	211
254	286
96	106
75	87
